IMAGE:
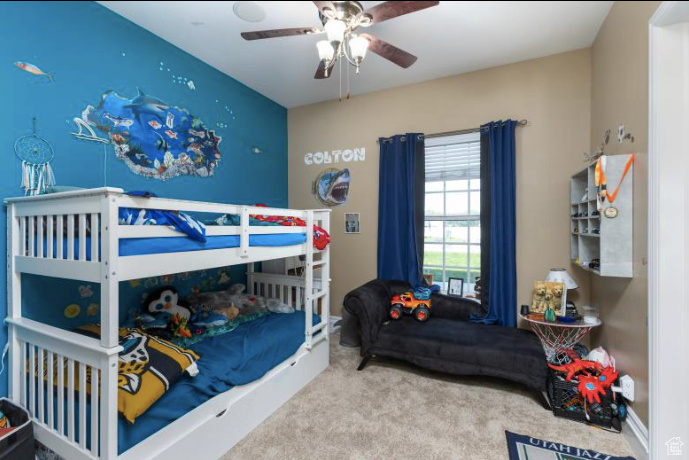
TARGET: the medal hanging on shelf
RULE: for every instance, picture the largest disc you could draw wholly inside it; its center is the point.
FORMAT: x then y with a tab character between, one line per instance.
601	180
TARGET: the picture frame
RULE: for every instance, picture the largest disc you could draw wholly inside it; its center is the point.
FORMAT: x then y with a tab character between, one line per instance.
455	287
549	294
351	223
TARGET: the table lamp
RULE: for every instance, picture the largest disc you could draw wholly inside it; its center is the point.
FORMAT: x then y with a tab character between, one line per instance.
560	275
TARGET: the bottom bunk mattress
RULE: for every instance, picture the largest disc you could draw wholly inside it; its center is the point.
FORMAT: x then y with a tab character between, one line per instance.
236	358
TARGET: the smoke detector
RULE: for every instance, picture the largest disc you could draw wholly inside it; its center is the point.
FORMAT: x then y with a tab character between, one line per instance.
249	11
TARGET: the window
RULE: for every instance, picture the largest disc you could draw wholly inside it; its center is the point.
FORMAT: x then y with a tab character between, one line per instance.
452	233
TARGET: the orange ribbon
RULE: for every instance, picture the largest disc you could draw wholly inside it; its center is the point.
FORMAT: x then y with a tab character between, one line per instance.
603	180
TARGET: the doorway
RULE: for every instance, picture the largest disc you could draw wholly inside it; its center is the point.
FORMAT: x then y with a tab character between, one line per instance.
669	230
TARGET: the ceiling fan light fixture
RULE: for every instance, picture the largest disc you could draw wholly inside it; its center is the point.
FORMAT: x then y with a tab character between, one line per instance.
335	30
357	47
326	52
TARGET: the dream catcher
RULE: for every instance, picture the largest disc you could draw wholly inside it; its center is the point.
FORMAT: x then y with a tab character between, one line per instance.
36	154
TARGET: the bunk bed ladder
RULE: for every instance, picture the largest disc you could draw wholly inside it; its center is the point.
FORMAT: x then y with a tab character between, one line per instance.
308	285
311	297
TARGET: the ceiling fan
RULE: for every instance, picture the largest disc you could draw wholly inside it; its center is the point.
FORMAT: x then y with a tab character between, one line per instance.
340	21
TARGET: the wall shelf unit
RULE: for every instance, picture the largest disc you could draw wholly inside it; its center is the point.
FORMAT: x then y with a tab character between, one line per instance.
593	236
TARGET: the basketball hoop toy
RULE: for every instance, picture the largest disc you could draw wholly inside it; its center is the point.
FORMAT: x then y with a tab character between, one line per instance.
558	339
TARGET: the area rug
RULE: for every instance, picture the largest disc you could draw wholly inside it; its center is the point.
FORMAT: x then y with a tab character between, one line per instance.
527	448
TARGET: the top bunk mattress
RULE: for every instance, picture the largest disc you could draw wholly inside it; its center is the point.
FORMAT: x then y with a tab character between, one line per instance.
164	245
143	246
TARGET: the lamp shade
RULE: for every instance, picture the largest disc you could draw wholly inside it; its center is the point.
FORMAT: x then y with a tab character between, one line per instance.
357	47
335	30
325	50
560	275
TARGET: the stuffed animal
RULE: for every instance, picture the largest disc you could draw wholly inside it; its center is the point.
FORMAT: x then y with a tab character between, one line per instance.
164	314
233	302
205	318
166	299
477	288
180	326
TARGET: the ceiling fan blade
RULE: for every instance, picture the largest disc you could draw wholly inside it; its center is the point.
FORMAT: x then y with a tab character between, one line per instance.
389	52
389	10
275	33
321	71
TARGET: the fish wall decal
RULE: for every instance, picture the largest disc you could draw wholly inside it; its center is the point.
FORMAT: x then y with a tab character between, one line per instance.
32	69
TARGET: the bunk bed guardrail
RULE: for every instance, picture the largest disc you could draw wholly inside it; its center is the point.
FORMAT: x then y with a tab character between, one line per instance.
68	381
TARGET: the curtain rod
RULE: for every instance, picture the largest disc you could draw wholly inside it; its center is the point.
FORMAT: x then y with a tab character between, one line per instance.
523	122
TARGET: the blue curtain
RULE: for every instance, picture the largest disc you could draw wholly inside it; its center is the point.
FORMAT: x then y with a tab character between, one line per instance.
500	286
400	208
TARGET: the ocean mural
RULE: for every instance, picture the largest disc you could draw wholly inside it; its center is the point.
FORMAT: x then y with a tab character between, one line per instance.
154	138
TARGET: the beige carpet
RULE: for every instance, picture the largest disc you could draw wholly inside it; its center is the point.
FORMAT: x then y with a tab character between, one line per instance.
394	411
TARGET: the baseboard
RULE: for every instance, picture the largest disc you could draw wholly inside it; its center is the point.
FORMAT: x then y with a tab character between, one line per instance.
636	434
331	324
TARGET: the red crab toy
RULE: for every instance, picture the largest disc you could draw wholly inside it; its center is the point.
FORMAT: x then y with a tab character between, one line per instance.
592	387
594	379
576	366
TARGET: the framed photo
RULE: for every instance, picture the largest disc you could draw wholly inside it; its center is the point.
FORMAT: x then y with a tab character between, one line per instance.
549	294
455	287
352	222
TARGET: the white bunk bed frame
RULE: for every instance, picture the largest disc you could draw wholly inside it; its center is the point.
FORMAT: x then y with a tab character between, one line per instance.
211	429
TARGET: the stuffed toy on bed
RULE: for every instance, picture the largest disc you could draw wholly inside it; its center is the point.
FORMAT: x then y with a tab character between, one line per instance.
234	302
168	317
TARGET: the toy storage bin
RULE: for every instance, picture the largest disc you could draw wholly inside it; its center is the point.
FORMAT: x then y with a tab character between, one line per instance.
18	444
568	403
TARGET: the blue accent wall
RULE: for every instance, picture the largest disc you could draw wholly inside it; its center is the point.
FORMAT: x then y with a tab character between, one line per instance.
89	50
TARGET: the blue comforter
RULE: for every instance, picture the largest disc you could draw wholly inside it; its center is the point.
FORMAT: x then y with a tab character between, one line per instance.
236	358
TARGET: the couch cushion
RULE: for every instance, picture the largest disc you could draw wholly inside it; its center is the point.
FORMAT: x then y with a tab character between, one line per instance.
461	347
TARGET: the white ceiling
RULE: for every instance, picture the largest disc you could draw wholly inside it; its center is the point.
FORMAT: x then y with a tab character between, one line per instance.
449	39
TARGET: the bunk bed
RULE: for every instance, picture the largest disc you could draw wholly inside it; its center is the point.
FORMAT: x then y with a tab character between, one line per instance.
95	247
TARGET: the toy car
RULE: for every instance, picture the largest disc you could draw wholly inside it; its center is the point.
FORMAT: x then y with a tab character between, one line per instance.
407	303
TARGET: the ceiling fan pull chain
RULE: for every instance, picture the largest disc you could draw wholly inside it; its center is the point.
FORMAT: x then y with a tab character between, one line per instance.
347	82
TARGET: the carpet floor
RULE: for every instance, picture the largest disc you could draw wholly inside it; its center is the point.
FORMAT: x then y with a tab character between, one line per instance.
391	410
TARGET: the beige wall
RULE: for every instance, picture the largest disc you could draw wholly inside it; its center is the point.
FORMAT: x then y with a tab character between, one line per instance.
620	96
553	93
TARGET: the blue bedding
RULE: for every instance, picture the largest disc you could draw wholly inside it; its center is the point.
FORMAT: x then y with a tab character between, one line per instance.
143	246
236	358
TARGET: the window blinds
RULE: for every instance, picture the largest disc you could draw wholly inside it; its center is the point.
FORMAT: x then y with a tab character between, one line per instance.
453	157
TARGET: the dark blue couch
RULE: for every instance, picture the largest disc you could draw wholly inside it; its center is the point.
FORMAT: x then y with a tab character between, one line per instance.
447	342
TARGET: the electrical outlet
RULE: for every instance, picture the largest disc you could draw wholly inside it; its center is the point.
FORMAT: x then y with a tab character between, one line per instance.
627	387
